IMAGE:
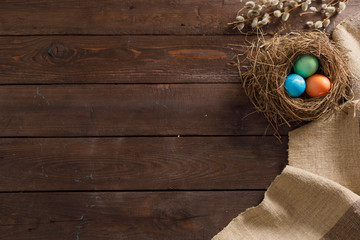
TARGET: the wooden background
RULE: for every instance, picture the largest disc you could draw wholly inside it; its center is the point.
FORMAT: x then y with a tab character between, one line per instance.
122	120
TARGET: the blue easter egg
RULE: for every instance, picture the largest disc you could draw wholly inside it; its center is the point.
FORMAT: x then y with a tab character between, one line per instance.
295	85
306	66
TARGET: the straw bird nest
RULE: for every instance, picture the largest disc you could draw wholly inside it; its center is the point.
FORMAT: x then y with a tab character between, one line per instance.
267	63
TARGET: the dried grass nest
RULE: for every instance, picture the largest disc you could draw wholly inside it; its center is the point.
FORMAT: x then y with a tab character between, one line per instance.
268	62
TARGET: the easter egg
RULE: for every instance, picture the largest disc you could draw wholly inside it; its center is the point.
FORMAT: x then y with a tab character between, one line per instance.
295	85
317	85
306	66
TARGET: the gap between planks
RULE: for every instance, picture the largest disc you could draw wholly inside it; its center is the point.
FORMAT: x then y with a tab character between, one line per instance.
114	83
140	191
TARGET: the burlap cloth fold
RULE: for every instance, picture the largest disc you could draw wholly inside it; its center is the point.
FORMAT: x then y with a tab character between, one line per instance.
316	195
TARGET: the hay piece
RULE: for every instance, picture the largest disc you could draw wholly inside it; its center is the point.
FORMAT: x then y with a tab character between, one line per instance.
270	61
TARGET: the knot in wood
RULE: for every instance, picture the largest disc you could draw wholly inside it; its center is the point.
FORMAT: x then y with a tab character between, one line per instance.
59	52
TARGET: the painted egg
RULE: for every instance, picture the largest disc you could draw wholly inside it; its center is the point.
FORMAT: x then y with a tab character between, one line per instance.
295	85
317	85
306	66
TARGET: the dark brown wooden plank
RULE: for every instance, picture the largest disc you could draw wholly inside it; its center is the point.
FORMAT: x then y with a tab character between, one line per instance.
22	17
134	215
140	163
127	110
114	59
115	17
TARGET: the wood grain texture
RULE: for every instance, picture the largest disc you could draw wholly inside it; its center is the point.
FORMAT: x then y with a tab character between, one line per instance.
132	215
20	17
117	59
52	164
127	110
115	17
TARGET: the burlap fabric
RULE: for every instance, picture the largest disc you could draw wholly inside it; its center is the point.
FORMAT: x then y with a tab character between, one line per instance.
347	34
316	196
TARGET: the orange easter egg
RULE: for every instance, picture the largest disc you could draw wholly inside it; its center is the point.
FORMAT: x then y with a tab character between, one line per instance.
317	85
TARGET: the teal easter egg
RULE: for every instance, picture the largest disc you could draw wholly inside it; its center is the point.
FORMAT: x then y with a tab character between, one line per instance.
295	85
306	66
